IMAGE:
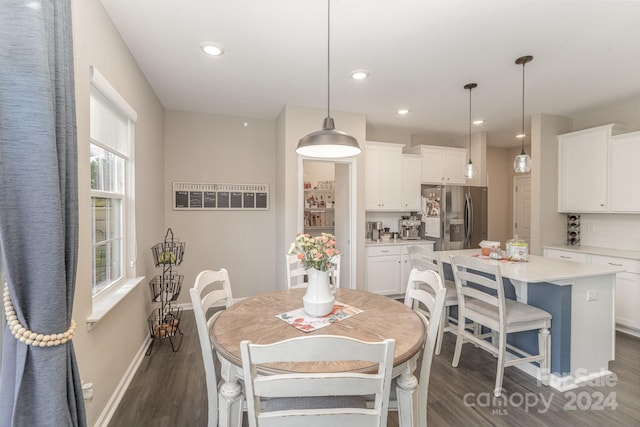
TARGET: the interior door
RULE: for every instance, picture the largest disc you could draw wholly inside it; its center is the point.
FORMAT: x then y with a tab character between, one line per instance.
522	207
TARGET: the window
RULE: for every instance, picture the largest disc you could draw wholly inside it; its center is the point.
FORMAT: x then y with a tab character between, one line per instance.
112	123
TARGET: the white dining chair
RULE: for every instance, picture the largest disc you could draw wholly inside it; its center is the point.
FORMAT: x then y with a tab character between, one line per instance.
426	259
481	299
211	289
296	273
322	398
430	306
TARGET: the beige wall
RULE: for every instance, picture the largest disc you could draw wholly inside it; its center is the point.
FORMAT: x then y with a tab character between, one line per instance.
547	226
500	182
221	149
293	123
105	353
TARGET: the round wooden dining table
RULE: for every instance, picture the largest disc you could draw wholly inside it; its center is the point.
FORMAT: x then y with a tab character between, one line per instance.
255	319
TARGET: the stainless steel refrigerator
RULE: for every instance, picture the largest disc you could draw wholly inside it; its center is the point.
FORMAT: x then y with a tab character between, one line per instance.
455	217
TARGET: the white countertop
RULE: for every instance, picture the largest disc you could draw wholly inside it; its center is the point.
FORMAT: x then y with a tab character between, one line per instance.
538	268
396	242
594	250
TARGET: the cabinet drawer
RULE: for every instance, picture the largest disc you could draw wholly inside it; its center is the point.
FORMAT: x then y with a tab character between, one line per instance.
629	265
383	250
566	255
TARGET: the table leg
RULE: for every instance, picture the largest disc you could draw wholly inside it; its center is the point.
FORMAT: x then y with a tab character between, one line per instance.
409	412
229	397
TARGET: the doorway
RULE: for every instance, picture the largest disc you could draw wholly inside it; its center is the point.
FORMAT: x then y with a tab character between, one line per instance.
522	207
327	206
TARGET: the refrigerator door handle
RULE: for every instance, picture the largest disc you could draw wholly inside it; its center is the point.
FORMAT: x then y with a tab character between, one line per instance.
468	219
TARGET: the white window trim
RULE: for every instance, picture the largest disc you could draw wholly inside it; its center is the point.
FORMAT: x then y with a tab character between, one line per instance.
106	300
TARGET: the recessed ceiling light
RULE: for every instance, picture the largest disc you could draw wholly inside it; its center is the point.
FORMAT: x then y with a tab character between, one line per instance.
212	49
478	122
520	135
359	74
403	111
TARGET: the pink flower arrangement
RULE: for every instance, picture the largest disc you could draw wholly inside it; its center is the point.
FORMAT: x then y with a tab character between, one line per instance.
315	252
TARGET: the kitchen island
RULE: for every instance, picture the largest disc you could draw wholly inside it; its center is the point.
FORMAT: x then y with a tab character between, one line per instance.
580	297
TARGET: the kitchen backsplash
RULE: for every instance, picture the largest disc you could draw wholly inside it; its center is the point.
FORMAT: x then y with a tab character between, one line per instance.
610	231
389	219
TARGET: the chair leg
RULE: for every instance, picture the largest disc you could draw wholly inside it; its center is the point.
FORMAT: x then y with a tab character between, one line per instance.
502	348
476	328
444	321
544	347
459	341
494	340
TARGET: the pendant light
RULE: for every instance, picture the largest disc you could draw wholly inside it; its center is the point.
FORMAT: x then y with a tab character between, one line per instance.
470	169
522	162
328	142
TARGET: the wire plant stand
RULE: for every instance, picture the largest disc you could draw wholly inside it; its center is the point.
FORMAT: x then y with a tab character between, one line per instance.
164	321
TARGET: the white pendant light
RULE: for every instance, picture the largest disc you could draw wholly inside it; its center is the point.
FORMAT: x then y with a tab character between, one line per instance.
328	142
522	162
470	169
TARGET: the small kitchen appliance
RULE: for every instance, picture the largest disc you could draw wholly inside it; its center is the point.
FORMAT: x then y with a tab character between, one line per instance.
409	227
376	230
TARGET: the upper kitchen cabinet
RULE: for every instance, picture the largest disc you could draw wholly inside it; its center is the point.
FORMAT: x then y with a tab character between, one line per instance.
583	169
383	174
624	173
411	181
442	165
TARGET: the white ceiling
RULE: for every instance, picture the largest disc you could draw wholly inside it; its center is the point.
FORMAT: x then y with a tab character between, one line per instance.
420	54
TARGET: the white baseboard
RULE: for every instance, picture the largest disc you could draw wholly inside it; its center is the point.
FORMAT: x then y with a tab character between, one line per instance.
628	331
118	394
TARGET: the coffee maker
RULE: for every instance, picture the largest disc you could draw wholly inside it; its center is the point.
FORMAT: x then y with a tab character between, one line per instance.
409	227
373	230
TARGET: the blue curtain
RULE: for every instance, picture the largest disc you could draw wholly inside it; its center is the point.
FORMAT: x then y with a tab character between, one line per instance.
38	210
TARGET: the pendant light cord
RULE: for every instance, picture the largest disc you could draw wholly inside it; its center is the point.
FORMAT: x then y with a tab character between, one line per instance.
470	123
328	56
523	134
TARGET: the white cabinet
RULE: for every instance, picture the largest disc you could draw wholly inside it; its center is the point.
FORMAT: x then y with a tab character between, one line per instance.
442	165
411	181
583	169
383	165
388	268
384	269
624	173
567	255
627	289
627	302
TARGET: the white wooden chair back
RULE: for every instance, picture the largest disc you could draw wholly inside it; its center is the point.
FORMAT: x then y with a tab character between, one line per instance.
209	289
433	303
296	273
491	291
424	259
287	389
334	273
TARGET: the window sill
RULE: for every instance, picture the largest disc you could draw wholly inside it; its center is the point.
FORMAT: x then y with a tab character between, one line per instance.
102	304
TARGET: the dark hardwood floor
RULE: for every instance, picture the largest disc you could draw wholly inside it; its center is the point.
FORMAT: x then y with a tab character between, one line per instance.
169	390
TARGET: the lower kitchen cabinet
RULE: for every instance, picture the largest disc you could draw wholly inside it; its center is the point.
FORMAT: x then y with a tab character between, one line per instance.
627	290
627	303
388	268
